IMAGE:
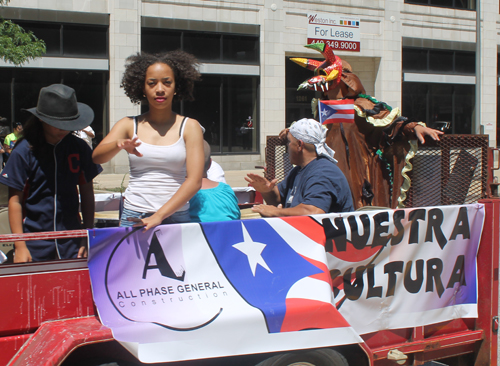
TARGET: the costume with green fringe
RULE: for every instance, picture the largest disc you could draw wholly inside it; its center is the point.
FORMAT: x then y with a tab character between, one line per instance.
375	151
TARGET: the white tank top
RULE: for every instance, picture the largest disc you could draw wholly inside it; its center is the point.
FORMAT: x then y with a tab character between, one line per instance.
157	175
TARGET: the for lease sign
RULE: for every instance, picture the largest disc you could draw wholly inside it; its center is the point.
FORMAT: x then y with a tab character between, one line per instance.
339	31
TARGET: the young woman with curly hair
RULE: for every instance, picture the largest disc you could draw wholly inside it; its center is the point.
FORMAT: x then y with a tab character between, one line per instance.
165	149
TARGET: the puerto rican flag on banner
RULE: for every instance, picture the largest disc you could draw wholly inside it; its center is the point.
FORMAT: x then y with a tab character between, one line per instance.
281	277
336	111
191	291
195	291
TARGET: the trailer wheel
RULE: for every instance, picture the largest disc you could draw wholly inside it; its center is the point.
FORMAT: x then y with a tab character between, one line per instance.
317	357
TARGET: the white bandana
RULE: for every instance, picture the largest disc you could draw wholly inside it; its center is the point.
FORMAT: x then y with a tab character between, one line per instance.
312	132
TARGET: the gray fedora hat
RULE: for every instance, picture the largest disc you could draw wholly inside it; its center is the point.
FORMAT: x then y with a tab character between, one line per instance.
57	106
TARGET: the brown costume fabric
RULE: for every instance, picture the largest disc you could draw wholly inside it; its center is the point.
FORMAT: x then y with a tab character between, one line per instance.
356	145
368	174
352	82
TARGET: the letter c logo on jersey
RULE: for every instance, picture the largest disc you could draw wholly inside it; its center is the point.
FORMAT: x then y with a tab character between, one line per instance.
74	162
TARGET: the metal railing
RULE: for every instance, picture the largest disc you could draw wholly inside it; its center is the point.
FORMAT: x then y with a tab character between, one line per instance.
451	171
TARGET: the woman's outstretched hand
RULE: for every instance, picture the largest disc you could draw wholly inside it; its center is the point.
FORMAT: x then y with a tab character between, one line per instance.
130	145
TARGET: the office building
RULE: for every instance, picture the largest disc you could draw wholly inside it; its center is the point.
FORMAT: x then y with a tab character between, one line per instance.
415	54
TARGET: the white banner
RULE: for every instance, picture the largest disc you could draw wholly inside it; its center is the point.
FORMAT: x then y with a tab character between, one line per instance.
189	291
405	268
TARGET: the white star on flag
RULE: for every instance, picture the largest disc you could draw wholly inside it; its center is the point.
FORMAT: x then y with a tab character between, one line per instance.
253	250
324	113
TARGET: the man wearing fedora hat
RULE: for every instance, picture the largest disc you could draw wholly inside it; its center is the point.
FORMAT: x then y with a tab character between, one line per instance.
43	173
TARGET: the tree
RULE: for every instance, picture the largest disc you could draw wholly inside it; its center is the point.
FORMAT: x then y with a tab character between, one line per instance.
17	45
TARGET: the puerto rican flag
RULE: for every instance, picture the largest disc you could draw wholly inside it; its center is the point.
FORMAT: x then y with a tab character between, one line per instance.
195	291
279	270
336	111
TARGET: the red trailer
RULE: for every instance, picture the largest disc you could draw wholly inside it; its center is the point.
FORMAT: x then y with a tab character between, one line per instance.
48	318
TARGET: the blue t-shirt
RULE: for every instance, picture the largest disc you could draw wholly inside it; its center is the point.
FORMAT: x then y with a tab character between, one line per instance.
320	183
214	204
49	183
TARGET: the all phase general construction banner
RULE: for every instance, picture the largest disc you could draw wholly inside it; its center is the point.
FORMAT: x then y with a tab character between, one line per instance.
191	291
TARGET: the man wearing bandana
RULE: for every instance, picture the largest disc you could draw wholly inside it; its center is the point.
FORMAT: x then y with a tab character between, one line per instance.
314	186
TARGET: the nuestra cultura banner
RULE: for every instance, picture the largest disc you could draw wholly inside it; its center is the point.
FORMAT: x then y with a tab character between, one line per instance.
404	268
189	291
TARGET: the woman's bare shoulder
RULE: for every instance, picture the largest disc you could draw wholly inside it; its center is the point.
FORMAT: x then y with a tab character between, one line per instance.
124	126
191	121
193	126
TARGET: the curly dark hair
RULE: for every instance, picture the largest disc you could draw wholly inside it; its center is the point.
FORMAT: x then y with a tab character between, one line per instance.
183	64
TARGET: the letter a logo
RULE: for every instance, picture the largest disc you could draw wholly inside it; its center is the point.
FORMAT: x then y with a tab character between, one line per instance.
161	261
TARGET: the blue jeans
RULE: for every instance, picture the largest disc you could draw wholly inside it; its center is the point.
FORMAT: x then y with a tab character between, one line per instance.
178	217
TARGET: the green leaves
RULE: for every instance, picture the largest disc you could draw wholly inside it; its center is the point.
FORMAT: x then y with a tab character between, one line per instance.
18	46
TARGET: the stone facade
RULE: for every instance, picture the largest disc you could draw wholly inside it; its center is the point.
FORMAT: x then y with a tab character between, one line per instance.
283	29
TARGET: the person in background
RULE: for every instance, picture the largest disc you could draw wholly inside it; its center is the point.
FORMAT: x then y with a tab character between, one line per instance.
215	201
2	152
11	139
315	186
215	172
3	126
86	134
165	149
47	170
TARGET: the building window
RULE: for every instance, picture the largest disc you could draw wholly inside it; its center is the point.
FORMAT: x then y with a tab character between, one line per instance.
439	86
19	89
439	61
205	46
432	103
70	40
453	4
240	49
298	102
208	47
155	40
226	102
84	41
227	107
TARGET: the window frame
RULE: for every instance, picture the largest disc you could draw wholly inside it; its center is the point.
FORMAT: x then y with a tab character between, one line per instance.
454	6
25	24
429	52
